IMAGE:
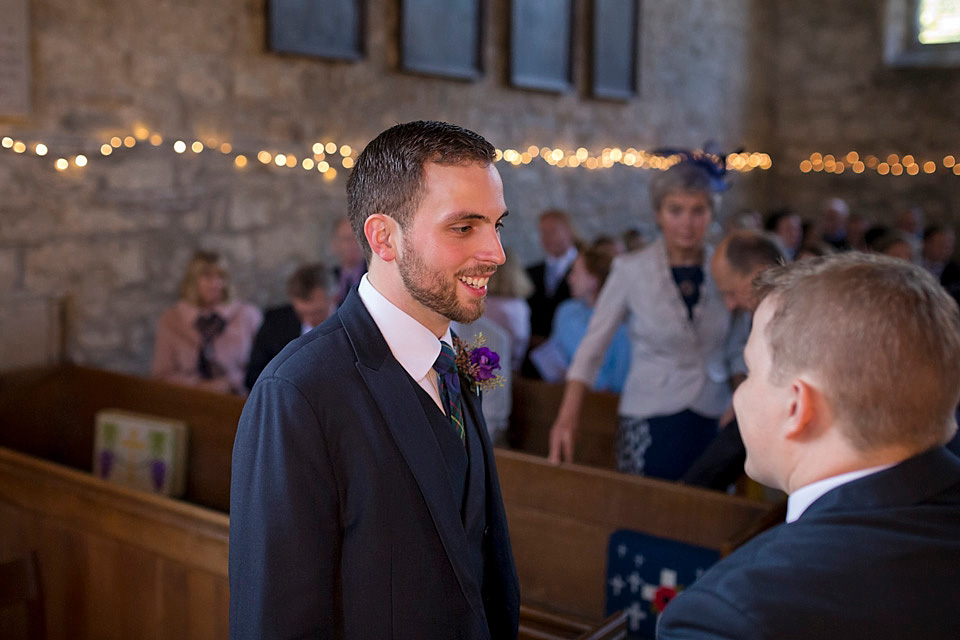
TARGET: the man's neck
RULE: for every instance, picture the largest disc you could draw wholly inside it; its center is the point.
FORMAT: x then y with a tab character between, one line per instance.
391	287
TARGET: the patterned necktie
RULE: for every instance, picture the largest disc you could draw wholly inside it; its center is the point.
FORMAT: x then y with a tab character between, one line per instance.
449	383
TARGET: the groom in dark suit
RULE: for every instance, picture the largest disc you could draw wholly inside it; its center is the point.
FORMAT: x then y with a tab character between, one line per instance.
854	377
364	499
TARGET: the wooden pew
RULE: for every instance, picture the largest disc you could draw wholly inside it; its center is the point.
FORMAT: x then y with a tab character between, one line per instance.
561	517
535	405
49	413
118	563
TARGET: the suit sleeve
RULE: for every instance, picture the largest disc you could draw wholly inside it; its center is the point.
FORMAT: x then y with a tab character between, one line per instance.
284	520
703	615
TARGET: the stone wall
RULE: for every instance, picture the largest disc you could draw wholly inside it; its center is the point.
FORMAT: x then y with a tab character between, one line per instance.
113	237
833	93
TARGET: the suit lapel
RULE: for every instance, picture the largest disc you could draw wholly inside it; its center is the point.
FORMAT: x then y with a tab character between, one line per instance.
410	429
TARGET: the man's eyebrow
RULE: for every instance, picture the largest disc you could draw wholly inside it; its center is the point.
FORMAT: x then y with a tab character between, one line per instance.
460	216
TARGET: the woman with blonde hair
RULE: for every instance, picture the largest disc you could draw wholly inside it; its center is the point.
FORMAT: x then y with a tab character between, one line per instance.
204	340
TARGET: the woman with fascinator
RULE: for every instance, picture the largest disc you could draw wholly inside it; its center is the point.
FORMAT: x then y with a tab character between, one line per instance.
204	340
677	384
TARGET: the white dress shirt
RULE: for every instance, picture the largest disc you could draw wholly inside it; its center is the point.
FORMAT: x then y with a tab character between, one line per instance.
412	344
803	497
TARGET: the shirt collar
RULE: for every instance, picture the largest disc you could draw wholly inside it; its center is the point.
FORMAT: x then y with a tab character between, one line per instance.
803	497
562	263
412	344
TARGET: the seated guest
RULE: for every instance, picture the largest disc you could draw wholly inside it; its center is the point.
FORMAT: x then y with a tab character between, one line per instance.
351	263
787	226
507	293
633	239
938	244
309	306
854	379
204	340
553	357
740	257
889	242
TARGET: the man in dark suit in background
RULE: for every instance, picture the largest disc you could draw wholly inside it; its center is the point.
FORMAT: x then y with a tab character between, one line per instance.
550	276
309	306
350	265
364	498
854	375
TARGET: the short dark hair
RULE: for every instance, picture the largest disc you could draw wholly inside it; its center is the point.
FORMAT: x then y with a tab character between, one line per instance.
747	249
388	176
774	217
306	279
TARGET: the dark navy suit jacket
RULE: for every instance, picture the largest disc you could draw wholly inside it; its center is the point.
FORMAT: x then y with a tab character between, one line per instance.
344	516
877	558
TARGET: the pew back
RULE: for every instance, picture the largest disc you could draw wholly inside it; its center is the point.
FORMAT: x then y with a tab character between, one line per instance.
535	406
49	413
561	518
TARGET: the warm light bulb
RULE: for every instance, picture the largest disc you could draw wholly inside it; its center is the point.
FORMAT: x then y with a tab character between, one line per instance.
7	142
179	146
929	167
106	149
197	146
141	132
264	157
116	142
156	139
226	148
240	161
806	166
330	147
308	164
40	149
80	160
129	141
19	147
323	166
348	163
330	175
61	164
280	160
345	150
317	147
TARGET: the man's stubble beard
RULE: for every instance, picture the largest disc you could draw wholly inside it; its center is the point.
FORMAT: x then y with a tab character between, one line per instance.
434	292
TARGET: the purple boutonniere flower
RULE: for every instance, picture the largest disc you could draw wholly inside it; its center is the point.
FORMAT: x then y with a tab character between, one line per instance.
485	362
477	363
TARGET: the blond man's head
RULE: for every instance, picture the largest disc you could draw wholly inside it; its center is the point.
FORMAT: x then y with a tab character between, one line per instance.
881	335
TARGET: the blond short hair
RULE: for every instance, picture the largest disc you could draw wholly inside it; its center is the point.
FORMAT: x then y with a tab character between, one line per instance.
881	335
200	263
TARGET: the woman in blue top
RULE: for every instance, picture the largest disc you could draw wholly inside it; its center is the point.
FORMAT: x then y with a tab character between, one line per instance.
587	275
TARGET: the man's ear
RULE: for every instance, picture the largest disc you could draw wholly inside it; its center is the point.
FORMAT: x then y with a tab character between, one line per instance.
382	233
806	407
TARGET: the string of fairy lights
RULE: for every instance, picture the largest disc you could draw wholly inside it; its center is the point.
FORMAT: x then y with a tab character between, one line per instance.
893	164
329	157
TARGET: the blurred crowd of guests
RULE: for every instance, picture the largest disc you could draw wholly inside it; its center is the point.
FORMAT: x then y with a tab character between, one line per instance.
660	321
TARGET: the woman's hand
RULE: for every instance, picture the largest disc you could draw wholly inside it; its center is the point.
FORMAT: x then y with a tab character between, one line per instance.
564	428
